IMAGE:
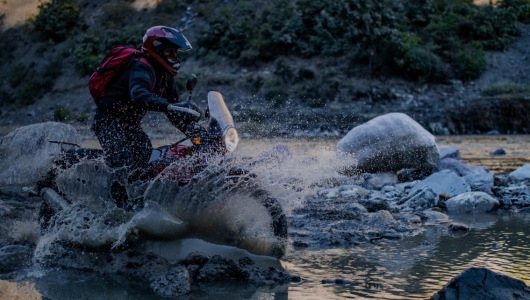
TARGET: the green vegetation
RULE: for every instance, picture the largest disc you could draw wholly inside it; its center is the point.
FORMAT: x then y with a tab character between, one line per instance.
507	88
57	19
419	40
61	114
423	40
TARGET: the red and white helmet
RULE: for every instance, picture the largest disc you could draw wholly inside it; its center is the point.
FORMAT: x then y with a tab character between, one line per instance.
162	43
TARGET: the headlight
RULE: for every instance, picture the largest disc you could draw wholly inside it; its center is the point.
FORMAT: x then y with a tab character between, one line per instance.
231	139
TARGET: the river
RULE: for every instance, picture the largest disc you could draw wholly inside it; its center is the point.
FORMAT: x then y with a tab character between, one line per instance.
412	268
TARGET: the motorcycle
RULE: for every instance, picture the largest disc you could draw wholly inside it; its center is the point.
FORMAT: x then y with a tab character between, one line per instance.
189	180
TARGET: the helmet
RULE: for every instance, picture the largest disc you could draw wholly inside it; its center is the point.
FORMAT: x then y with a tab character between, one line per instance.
162	43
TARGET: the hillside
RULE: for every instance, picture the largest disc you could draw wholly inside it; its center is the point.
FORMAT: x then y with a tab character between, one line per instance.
320	95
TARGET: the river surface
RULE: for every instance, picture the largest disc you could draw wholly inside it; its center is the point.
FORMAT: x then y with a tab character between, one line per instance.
412	268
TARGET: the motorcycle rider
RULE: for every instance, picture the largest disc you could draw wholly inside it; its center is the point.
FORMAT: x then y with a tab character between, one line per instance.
144	85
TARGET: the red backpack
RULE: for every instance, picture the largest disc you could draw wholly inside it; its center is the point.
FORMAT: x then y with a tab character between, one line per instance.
112	64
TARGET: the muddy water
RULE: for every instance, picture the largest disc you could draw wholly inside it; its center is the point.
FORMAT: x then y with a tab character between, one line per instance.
413	268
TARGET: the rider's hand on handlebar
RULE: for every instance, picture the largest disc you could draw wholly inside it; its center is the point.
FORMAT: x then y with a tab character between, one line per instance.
188	108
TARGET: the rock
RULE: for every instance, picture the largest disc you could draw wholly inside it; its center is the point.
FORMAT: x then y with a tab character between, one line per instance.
218	268
378	180
353	191
387	143
430	217
454	165
521	174
382	219
14	257
173	283
480	182
472	202
373	205
443	181
413	174
458	227
498	152
336	281
453	153
421	199
482	284
26	153
407	218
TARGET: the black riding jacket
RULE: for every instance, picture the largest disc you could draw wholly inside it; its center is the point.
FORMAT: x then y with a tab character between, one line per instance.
140	87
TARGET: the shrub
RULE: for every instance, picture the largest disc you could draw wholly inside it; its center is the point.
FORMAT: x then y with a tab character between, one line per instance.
57	19
6	98
470	62
506	88
32	89
61	114
18	73
91	48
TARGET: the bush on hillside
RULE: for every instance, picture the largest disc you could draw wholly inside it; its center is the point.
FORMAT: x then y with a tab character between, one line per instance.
57	19
422	40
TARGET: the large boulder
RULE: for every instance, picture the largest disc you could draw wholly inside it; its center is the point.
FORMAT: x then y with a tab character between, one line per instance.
482	284
26	153
388	143
472	202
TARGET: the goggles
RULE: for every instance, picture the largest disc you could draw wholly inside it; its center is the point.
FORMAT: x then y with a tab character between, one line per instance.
170	54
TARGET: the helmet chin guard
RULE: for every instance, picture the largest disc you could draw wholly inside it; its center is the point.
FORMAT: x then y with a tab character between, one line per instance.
159	39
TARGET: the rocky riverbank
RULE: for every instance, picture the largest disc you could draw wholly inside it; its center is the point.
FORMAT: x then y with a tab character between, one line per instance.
343	208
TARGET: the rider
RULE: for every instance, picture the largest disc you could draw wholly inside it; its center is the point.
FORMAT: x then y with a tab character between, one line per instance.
146	84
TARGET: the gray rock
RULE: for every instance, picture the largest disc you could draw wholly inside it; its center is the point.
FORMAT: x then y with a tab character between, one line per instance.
14	257
453	153
173	283
480	182
444	181
430	217
26	154
378	180
482	284
455	227
472	202
354	191
521	174
498	152
388	143
421	199
373	205
454	165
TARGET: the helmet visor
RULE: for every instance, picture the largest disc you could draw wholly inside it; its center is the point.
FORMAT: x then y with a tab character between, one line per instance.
170	54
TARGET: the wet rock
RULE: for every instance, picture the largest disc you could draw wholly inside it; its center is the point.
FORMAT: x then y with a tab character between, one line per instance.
378	180
218	268
413	174
407	218
498	152
483	284
26	153
419	200
482	182
354	191
172	283
430	217
387	143
472	202
458	227
372	205
382	219
336	281
521	174
453	153
14	257
445	181
454	165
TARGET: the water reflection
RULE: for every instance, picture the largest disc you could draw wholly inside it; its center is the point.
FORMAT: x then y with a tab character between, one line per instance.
416	267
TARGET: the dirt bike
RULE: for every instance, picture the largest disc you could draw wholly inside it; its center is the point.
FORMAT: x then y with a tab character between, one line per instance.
214	137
